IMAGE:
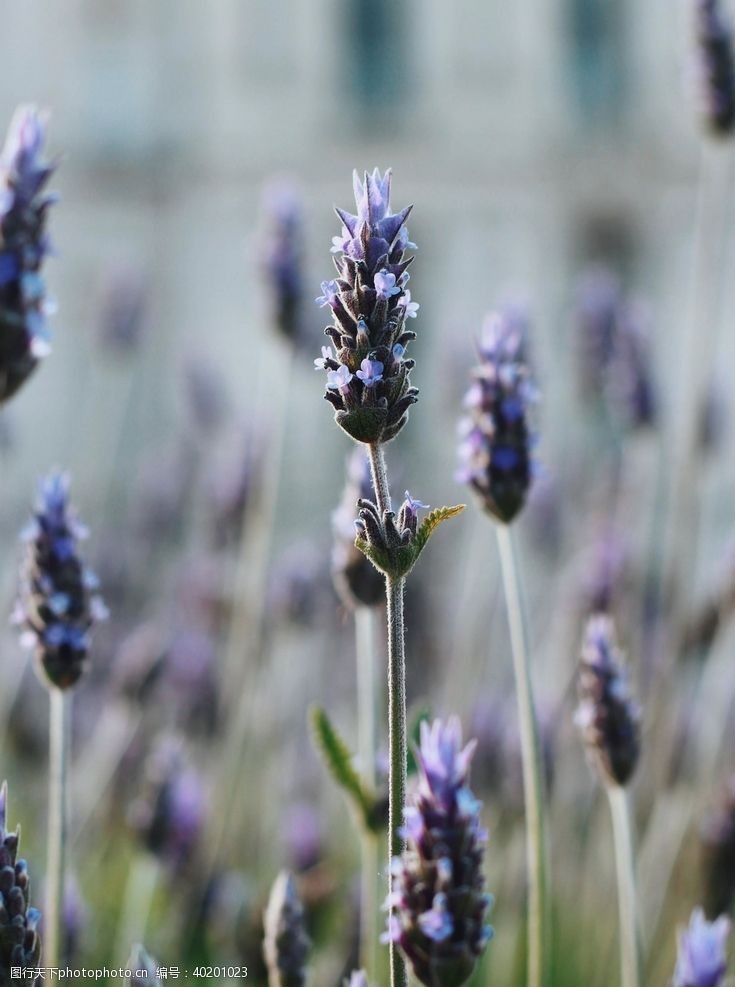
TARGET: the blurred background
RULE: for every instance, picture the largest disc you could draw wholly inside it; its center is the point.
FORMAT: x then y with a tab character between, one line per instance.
552	151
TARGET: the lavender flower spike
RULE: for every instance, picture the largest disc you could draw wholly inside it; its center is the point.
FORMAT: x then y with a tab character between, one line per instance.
607	716
437	903
20	945
369	303
23	247
702	956
716	66
495	452
283	259
58	601
286	945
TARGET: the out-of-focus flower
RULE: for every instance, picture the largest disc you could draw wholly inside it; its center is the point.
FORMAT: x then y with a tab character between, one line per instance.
357	581
302	836
437	903
58	600
599	296
20	943
367	383
718	846
604	572
232	486
143	968
607	716
122	310
631	384
715	66
702	955
285	944
300	587
24	244
283	258
358	978
206	395
169	813
496	440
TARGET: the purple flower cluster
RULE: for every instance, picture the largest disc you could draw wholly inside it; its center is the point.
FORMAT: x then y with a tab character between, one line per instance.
715	66
283	259
58	600
368	375
437	903
607	716
357	581
496	439
702	955
23	247
20	944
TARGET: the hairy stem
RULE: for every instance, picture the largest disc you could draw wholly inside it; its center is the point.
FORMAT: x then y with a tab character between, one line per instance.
58	822
366	745
533	786
630	953
397	746
380	476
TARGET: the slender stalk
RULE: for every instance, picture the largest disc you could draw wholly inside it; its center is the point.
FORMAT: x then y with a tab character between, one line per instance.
397	743
366	744
630	952
58	823
397	746
533	786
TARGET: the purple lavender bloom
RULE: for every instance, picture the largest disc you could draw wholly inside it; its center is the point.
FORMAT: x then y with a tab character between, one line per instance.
631	384
325	361
339	380
596	317
495	452
357	581
23	248
607	716
702	954
123	308
715	66
370	372
285	945
437	901
20	943
358	978
283	260
58	600
370	305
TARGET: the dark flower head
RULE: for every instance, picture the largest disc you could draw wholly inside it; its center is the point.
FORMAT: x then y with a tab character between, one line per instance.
715	66
285	945
496	447
607	716
283	258
58	601
23	247
702	954
368	376
437	903
20	944
357	581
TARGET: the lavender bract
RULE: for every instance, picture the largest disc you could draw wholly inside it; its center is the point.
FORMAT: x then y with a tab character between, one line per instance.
716	66
23	247
496	447
437	902
285	945
702	953
58	601
368	376
607	716
357	581
20	944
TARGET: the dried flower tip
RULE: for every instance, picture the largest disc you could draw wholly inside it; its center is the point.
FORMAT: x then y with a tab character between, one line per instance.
702	952
496	439
285	945
367	377
58	600
20	943
23	246
607	716
437	903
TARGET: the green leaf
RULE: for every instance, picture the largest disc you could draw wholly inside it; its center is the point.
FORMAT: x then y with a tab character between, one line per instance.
338	760
429	525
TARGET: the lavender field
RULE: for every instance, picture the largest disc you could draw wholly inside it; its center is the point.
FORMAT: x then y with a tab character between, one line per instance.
366	491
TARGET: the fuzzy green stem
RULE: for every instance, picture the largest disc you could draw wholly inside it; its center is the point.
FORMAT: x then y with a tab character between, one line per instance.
380	476
533	785
366	744
58	821
630	951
